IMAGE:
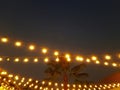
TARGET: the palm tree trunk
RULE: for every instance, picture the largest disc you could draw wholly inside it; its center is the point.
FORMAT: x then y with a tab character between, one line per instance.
65	77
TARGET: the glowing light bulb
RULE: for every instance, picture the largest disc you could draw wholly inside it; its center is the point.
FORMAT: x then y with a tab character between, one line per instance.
106	63
56	84
107	57
43	82
30	79
26	60
4	40
18	43
16	60
44	50
49	83
36	60
56	53
8	59
88	60
114	64
10	75
67	55
97	62
118	55
46	60
69	59
16	77
57	60
31	47
1	59
79	58
3	73
36	86
94	58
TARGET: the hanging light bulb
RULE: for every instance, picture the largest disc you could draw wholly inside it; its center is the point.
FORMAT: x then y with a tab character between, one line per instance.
18	43
4	40
44	50
31	47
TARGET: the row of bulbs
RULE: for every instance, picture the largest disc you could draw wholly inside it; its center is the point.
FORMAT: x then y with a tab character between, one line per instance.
93	60
22	82
55	53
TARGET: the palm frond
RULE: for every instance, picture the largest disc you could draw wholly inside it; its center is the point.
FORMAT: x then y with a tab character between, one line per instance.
77	68
81	75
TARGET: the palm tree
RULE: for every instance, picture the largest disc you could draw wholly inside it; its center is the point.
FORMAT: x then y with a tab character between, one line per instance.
63	68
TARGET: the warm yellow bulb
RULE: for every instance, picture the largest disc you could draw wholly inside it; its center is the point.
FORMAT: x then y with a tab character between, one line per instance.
19	84
31	47
106	63
4	40
26	60
43	82
8	59
118	55
3	73
46	60
88	60
107	57
56	53
97	62
57	60
49	83
1	58
74	85
16	77
36	81
56	84
94	58
44	50
36	60
68	85
30	79
62	85
36	86
16	60
10	75
114	64
41	88
69	59
18	43
67	55
79	58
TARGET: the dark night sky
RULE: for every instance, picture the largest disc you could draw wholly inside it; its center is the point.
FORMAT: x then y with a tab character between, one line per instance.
77	26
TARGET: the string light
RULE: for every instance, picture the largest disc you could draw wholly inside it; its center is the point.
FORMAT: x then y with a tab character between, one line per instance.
88	60
44	50
79	58
18	43
31	47
1	59
4	40
26	60
68	57
56	53
114	64
94	58
106	63
46	60
36	60
16	60
57	60
107	57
